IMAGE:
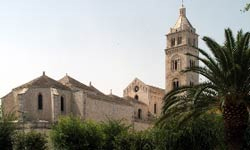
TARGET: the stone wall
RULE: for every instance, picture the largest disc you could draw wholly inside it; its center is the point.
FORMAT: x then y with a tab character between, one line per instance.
8	103
78	104
28	104
144	111
101	110
142	92
156	95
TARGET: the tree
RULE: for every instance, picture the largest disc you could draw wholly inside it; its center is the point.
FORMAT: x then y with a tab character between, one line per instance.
72	133
247	7
7	130
227	70
30	141
204	132
112	129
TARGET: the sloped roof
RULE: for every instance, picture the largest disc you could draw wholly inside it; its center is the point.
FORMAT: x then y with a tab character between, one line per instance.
43	82
71	82
154	87
135	80
95	89
182	21
110	98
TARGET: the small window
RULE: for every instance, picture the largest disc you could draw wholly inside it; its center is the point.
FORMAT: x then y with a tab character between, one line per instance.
62	103
172	42
176	64
189	41
175	84
136	97
139	114
191	83
40	102
136	88
179	40
194	42
191	63
155	111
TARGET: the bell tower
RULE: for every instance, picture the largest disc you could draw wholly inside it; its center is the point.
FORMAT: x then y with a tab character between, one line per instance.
181	39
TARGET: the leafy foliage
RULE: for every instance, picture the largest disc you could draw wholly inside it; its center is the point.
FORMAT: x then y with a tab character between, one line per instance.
30	141
205	132
133	141
71	133
227	88
247	7
7	129
112	129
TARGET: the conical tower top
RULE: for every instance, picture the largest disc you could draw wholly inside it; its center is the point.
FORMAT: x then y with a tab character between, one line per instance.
182	23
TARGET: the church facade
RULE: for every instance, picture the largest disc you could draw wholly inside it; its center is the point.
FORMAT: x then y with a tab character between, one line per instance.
45	99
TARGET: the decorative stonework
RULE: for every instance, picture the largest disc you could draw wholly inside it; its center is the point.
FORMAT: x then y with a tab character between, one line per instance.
181	40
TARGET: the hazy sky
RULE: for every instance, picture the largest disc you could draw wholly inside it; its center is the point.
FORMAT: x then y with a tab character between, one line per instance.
108	42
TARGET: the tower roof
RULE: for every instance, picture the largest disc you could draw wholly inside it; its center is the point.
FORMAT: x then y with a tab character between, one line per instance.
182	22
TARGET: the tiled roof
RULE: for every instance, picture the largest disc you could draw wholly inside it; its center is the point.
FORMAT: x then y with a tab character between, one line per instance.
96	90
110	98
69	81
43	82
154	87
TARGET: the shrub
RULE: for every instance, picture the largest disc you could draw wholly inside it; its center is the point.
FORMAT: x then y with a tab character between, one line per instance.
134	141
205	132
7	129
30	141
112	129
72	133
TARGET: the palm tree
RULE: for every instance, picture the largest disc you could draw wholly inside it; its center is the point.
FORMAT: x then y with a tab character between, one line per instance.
227	71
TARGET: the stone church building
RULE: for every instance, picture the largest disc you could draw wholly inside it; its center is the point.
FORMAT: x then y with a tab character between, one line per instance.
46	99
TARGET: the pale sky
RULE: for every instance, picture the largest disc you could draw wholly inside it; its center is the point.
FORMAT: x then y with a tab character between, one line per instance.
107	42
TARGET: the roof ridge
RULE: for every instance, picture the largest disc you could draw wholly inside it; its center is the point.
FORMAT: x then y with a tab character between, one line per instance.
43	81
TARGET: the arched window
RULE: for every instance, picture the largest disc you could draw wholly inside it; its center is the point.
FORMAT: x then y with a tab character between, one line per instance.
175	83
62	103
175	63
191	63
136	97
179	41
155	111
40	102
139	113
172	42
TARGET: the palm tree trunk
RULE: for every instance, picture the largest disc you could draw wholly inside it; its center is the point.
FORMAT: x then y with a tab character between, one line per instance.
235	122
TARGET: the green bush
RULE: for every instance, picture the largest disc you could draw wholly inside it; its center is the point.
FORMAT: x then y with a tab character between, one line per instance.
134	141
73	134
204	133
112	129
7	130
30	141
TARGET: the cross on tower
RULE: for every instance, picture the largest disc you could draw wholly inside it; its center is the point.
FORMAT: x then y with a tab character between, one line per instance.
182	3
